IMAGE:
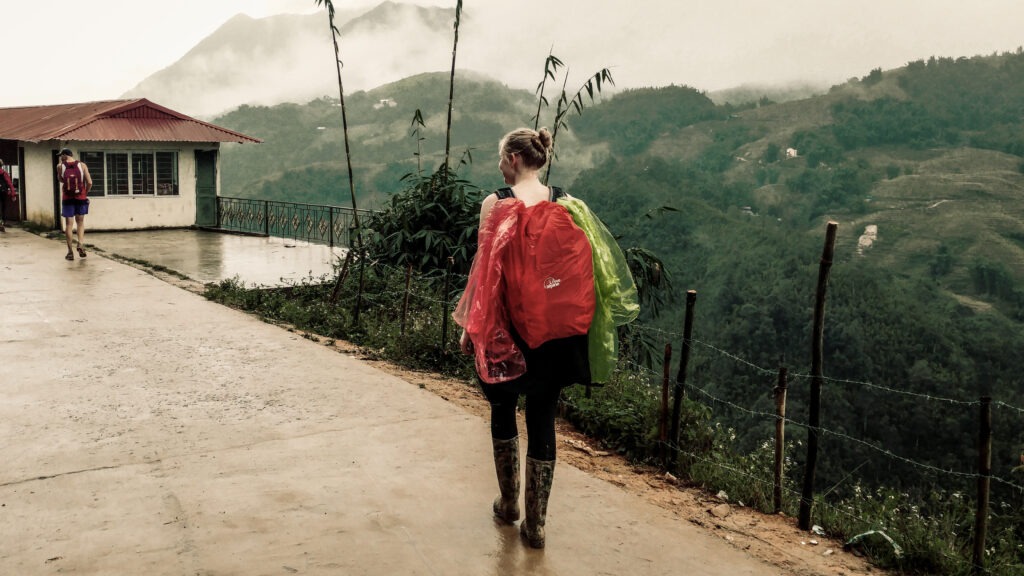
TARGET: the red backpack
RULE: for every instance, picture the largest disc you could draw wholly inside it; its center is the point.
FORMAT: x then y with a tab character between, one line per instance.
73	180
549	274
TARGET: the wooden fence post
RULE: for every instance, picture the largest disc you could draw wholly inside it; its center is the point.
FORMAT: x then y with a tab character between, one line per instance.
666	367
817	340
405	305
780	436
984	481
684	361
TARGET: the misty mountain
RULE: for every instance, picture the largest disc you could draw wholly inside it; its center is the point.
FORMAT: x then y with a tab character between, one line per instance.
289	58
930	153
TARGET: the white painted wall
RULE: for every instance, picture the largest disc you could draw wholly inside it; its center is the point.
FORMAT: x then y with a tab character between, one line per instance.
37	179
115	212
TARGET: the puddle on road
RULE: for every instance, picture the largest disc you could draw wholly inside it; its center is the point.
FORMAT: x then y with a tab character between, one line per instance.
213	256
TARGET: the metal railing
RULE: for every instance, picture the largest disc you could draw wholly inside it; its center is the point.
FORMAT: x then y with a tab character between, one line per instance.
331	225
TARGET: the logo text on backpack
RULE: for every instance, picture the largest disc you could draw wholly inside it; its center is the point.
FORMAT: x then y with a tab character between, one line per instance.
550	283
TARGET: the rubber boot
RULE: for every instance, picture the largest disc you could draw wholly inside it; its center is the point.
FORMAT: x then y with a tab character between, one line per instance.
506	464
539	475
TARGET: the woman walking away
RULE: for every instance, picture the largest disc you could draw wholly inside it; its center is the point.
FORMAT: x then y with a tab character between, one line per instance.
526	312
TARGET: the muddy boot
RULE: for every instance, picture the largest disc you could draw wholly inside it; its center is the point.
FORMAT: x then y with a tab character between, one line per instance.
506	464
539	475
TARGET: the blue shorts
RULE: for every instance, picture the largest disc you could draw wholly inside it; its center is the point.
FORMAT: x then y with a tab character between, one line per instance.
72	208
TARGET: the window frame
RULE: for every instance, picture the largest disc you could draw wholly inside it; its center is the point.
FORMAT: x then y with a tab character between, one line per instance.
105	179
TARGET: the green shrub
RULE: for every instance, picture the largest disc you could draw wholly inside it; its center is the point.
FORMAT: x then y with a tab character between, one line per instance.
435	217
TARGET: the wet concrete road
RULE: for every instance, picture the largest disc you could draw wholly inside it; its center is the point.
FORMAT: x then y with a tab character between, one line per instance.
148	431
213	256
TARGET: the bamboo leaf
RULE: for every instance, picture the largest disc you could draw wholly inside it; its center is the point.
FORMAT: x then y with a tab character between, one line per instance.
551	65
417	118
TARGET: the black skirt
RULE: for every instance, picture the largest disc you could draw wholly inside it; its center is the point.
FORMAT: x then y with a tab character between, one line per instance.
556	363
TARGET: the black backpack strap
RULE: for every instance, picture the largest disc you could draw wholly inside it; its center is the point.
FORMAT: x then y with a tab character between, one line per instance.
504	193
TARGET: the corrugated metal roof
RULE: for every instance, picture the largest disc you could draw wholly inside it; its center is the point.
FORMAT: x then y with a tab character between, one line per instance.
111	120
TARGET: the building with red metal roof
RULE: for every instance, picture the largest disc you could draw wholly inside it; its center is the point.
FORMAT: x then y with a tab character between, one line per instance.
151	166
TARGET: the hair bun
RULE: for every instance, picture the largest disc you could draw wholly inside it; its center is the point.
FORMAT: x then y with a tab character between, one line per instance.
533	146
544	138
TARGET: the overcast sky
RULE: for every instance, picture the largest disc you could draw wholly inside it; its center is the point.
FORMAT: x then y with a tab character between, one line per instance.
707	45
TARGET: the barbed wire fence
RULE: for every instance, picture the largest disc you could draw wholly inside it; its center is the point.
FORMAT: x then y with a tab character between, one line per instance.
706	395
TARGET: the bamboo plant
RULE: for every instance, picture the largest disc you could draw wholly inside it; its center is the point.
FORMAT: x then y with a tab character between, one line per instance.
451	89
344	118
348	160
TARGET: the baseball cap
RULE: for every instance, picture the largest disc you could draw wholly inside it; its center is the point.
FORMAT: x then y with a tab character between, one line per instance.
66	152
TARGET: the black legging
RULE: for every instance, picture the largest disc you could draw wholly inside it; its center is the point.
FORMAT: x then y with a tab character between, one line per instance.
541	404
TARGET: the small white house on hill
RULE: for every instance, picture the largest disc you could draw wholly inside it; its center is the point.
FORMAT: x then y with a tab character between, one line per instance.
151	166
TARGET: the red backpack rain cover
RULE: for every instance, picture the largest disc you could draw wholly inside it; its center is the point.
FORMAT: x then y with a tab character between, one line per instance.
550	273
533	270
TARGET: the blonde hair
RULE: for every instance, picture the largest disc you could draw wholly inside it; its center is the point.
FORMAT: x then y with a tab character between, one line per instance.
532	146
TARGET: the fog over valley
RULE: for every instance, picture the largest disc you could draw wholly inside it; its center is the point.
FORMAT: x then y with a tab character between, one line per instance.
287	58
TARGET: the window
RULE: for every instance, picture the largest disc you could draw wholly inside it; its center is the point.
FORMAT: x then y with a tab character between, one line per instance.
117	174
94	161
143	176
166	173
132	173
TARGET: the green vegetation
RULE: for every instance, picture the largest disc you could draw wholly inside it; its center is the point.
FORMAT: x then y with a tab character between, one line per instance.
433	219
635	118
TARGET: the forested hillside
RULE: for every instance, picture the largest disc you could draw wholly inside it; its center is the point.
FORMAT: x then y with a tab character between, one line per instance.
921	166
934	305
